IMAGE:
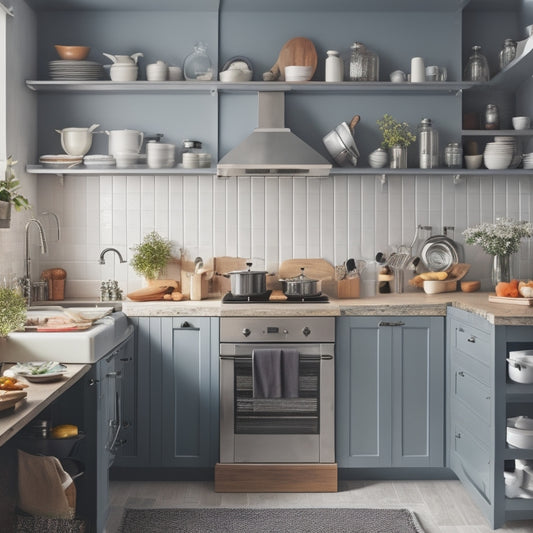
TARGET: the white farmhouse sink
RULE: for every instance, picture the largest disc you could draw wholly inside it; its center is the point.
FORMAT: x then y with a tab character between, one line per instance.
84	346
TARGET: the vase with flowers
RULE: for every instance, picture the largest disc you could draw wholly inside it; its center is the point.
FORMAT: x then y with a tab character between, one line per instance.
397	136
500	239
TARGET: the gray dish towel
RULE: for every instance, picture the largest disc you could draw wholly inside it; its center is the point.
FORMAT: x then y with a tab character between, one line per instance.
275	373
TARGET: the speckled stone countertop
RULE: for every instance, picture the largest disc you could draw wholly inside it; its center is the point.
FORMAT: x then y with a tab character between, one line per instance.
406	304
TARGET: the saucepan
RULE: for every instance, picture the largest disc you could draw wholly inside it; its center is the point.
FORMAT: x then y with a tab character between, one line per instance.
301	285
247	282
341	145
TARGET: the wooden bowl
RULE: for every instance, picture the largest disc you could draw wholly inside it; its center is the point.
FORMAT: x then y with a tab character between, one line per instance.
72	52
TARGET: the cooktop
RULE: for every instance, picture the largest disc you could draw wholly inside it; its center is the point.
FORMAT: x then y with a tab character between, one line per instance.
264	298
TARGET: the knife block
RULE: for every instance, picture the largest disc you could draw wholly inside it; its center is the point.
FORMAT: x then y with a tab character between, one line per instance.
348	288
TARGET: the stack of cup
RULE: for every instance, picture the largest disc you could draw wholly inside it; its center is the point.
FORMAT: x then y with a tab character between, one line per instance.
160	155
204	160
191	160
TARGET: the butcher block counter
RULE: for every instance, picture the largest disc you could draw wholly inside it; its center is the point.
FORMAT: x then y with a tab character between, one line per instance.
405	304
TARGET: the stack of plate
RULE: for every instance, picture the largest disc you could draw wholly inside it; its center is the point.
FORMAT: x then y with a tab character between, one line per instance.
528	160
71	70
99	161
60	161
498	154
516	146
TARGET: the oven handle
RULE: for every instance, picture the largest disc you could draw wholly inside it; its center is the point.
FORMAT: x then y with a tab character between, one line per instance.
326	357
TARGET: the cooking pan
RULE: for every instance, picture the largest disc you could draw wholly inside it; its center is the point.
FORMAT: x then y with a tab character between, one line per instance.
439	253
301	285
247	282
341	144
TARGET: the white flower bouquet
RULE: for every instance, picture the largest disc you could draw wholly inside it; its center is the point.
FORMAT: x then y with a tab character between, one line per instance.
501	238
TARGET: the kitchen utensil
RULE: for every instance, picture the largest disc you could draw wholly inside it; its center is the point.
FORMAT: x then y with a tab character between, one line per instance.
296	51
341	144
301	285
340	272
247	282
397	263
77	141
124	59
125	141
74	53
439	253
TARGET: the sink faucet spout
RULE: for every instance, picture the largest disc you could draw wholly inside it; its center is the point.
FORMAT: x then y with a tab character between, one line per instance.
105	250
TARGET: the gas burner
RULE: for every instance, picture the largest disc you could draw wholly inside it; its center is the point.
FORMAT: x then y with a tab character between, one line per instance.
229	298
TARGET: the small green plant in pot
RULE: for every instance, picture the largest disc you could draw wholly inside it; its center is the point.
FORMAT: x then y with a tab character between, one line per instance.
397	136
151	256
12	311
9	194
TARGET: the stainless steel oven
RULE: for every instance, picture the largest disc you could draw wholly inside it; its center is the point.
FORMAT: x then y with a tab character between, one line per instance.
277	430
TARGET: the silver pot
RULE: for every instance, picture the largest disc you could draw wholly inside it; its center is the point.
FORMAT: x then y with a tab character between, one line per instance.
247	282
301	286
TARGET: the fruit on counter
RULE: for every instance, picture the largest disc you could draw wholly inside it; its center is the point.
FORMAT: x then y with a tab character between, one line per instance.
174	295
434	276
470	286
526	289
9	383
64	431
508	289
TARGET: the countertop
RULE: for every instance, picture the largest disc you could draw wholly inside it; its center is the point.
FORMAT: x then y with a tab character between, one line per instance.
405	304
40	395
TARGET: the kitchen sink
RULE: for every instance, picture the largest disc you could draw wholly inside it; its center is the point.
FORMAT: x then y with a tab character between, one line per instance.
81	346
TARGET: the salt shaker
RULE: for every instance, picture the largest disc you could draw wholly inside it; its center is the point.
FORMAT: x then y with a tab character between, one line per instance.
334	67
492	117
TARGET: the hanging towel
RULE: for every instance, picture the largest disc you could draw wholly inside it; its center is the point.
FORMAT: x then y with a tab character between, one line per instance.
290	362
266	369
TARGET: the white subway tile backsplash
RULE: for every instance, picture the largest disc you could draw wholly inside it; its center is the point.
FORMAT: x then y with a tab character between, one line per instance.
270	218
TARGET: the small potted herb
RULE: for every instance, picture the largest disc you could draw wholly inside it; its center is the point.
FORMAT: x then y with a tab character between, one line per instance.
151	256
9	195
397	136
12	311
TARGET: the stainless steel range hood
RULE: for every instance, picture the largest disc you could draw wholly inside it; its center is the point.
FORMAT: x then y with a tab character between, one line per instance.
272	148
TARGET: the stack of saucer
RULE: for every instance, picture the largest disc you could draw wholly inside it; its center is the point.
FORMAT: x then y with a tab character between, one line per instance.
75	70
528	160
60	160
160	155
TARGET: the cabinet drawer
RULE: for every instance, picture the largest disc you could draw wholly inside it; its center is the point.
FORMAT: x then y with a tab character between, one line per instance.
479	370
472	341
471	460
473	394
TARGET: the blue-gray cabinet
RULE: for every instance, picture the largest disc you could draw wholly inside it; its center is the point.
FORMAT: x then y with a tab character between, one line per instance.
390	391
175	407
480	398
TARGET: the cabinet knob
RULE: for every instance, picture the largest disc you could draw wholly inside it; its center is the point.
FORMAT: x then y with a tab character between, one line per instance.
457	435
93	382
246	332
391	324
461	373
471	339
306	331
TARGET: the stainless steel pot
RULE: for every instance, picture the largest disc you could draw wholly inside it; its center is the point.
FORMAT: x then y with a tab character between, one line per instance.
247	282
301	285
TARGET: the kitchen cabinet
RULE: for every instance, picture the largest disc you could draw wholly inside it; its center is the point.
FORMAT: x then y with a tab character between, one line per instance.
480	397
175	407
390	392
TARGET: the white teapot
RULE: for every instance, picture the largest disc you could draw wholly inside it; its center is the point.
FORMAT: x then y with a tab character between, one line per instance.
124	59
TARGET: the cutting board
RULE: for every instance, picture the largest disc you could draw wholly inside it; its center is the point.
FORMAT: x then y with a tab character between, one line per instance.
509	300
149	293
298	51
313	268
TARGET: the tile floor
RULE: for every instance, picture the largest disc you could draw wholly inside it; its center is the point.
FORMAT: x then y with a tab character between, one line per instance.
441	506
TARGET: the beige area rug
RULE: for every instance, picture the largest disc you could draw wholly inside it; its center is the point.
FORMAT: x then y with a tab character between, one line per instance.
312	520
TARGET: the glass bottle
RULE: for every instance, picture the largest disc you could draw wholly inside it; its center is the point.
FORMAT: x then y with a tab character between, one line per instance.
453	155
507	53
364	64
334	67
197	65
477	68
428	144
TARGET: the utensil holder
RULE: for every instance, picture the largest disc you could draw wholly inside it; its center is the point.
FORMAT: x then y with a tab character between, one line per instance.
348	288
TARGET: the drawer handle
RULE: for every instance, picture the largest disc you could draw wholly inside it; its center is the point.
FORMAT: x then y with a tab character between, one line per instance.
391	324
461	373
471	339
457	435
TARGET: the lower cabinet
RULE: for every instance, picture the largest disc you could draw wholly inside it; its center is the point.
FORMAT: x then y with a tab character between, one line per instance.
390	391
170	396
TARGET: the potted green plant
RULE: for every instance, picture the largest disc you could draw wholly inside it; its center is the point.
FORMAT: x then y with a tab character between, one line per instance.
9	194
151	256
397	136
12	311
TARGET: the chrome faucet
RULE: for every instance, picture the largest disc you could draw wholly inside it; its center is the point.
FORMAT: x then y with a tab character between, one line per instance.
44	249
51	213
105	250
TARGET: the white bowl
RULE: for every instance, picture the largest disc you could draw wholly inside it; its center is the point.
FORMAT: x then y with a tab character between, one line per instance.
298	73
520	432
235	75
497	162
521	123
126	159
123	72
473	161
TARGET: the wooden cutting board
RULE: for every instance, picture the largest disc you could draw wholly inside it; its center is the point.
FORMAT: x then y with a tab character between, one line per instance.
509	300
298	51
313	268
149	293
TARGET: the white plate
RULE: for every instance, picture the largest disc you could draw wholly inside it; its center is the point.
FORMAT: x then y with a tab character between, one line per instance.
24	370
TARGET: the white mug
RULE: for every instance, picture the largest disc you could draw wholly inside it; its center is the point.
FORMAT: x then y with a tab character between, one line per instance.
125	141
175	73
418	72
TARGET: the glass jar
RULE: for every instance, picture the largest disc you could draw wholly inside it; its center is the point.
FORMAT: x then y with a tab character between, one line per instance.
428	144
492	117
507	53
477	68
453	155
364	63
197	66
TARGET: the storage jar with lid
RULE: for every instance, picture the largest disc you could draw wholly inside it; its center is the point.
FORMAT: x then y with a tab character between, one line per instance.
492	117
364	63
453	155
197	66
507	53
334	67
477	68
428	144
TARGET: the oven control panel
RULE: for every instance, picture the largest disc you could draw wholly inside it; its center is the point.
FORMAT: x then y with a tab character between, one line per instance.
277	329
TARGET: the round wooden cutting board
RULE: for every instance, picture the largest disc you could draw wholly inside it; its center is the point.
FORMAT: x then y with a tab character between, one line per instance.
297	51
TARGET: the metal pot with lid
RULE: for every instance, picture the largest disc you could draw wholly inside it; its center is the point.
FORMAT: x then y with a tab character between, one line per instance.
247	282
301	285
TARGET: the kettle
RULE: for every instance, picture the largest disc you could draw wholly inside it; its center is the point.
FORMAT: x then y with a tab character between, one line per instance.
77	141
128	60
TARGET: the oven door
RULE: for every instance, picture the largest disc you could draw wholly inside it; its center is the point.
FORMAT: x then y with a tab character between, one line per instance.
277	430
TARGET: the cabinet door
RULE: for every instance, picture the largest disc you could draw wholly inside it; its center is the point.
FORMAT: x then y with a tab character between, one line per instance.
363	392
188	433
417	391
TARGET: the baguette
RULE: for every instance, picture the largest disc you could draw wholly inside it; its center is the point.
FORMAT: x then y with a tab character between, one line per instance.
434	276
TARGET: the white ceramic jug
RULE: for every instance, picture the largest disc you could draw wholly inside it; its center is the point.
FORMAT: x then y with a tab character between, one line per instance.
125	141
132	60
77	141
